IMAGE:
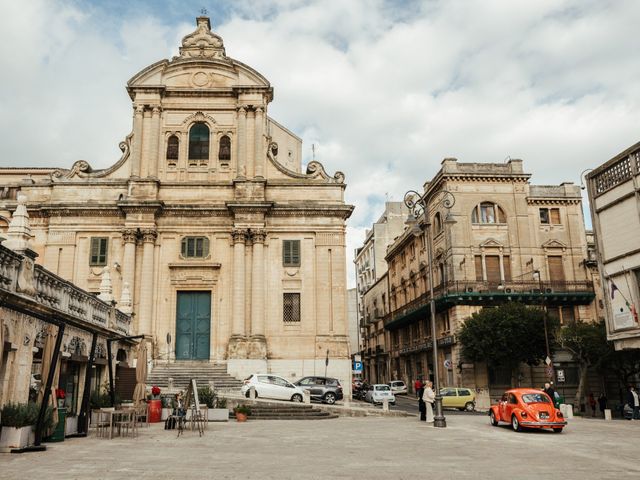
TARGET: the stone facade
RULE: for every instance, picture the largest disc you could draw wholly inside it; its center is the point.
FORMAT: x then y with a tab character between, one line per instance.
224	248
503	239
613	196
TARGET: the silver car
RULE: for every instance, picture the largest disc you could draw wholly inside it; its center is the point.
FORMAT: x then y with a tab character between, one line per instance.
378	392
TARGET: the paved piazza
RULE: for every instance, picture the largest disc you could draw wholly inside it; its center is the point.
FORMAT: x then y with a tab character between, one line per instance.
366	448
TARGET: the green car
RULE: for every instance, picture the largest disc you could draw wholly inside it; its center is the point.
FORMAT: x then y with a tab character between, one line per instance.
460	398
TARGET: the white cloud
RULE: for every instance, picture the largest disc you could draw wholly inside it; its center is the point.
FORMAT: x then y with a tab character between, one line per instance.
386	89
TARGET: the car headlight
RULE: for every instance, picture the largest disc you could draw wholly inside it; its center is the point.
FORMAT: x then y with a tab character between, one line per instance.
523	414
559	414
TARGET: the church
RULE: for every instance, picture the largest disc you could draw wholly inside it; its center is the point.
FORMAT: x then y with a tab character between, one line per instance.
215	237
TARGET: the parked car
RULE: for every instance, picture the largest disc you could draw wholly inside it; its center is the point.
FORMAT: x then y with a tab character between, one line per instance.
378	392
461	398
527	408
271	386
325	389
398	387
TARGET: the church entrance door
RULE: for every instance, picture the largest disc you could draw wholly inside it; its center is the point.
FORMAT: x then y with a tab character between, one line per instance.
193	325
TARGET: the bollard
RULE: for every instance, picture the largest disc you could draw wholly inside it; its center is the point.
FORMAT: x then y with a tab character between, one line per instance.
385	404
170	383
307	396
569	413
607	414
252	393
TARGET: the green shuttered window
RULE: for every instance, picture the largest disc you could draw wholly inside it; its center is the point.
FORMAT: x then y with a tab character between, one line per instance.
99	247
195	247
291	253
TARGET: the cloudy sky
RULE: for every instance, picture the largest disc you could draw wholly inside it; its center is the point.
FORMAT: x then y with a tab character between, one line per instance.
385	89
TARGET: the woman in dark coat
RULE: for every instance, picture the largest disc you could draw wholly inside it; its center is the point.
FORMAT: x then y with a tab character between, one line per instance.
422	407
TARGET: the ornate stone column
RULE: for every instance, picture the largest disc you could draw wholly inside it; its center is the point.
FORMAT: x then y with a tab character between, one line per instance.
250	135
237	344
155	139
136	153
242	141
258	344
146	281
259	143
145	156
129	237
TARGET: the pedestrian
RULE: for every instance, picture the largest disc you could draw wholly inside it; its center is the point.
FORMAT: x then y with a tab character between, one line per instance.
422	407
592	404
634	402
602	401
429	397
548	389
417	387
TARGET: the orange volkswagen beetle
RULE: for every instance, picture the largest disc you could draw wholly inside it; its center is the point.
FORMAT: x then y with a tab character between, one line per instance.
527	408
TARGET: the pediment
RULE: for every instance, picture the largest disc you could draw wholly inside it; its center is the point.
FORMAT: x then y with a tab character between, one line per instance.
554	244
491	243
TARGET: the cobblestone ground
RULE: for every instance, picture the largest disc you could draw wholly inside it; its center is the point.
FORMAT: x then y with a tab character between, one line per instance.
363	448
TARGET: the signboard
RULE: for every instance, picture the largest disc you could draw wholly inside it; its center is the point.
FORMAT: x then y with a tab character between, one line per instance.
560	376
549	371
448	364
357	367
623	320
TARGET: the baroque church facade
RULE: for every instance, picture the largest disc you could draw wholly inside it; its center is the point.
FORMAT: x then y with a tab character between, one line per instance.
223	248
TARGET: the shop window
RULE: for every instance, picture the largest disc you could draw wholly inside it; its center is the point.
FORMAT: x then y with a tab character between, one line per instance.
195	247
291	253
199	143
99	248
291	308
224	151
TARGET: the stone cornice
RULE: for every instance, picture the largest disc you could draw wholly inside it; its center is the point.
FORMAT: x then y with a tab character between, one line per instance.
553	201
132	207
187	265
249	207
340	211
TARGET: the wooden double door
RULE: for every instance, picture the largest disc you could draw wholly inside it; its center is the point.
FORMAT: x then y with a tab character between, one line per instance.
193	325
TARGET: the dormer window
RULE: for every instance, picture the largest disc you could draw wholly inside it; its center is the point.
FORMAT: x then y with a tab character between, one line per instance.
488	212
224	152
199	144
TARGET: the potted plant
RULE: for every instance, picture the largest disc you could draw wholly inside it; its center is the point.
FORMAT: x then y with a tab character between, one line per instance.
155	405
60	395
242	411
18	421
217	407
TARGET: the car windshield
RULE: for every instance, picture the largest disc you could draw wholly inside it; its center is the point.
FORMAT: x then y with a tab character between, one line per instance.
382	388
535	398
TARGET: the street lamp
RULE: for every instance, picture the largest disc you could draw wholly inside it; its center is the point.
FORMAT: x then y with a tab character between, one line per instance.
418	205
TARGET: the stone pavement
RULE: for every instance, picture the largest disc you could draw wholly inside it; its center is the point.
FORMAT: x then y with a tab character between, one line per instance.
359	447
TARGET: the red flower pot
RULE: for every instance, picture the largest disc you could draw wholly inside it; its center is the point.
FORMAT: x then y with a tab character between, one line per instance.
155	410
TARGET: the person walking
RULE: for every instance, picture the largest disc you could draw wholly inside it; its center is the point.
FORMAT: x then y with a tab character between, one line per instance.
548	389
429	397
417	387
592	404
634	402
602	402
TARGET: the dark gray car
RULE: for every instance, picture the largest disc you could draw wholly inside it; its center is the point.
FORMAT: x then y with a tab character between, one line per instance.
324	389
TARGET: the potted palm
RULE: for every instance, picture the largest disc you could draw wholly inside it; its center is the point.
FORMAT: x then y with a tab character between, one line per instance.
242	411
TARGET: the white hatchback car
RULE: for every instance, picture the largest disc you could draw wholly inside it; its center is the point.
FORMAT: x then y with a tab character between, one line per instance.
272	386
398	387
378	392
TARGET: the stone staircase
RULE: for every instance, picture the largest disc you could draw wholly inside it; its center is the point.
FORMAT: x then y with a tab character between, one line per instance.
203	372
285	412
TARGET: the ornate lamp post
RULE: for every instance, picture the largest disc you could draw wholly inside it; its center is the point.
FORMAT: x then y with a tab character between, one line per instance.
418	206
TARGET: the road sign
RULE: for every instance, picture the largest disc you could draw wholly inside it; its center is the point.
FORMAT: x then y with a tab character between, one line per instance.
549	371
560	376
448	364
357	367
547	361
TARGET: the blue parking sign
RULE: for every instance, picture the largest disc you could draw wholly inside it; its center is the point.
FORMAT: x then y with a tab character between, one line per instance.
357	367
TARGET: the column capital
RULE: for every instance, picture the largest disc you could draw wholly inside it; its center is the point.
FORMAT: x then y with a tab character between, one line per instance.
138	109
242	109
239	235
149	235
156	110
129	235
259	109
258	236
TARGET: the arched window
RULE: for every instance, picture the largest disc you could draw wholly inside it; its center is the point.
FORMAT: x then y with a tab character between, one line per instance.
224	152
172	150
199	142
437	223
488	212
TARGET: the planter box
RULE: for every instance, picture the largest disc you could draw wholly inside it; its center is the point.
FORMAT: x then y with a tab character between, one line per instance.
218	415
71	425
12	437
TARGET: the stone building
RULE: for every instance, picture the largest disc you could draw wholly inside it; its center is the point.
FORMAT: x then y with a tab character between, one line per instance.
503	239
230	252
613	196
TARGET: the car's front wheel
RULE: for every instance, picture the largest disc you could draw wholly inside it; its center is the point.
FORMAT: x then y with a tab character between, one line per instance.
330	398
296	398
515	424
470	406
494	420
